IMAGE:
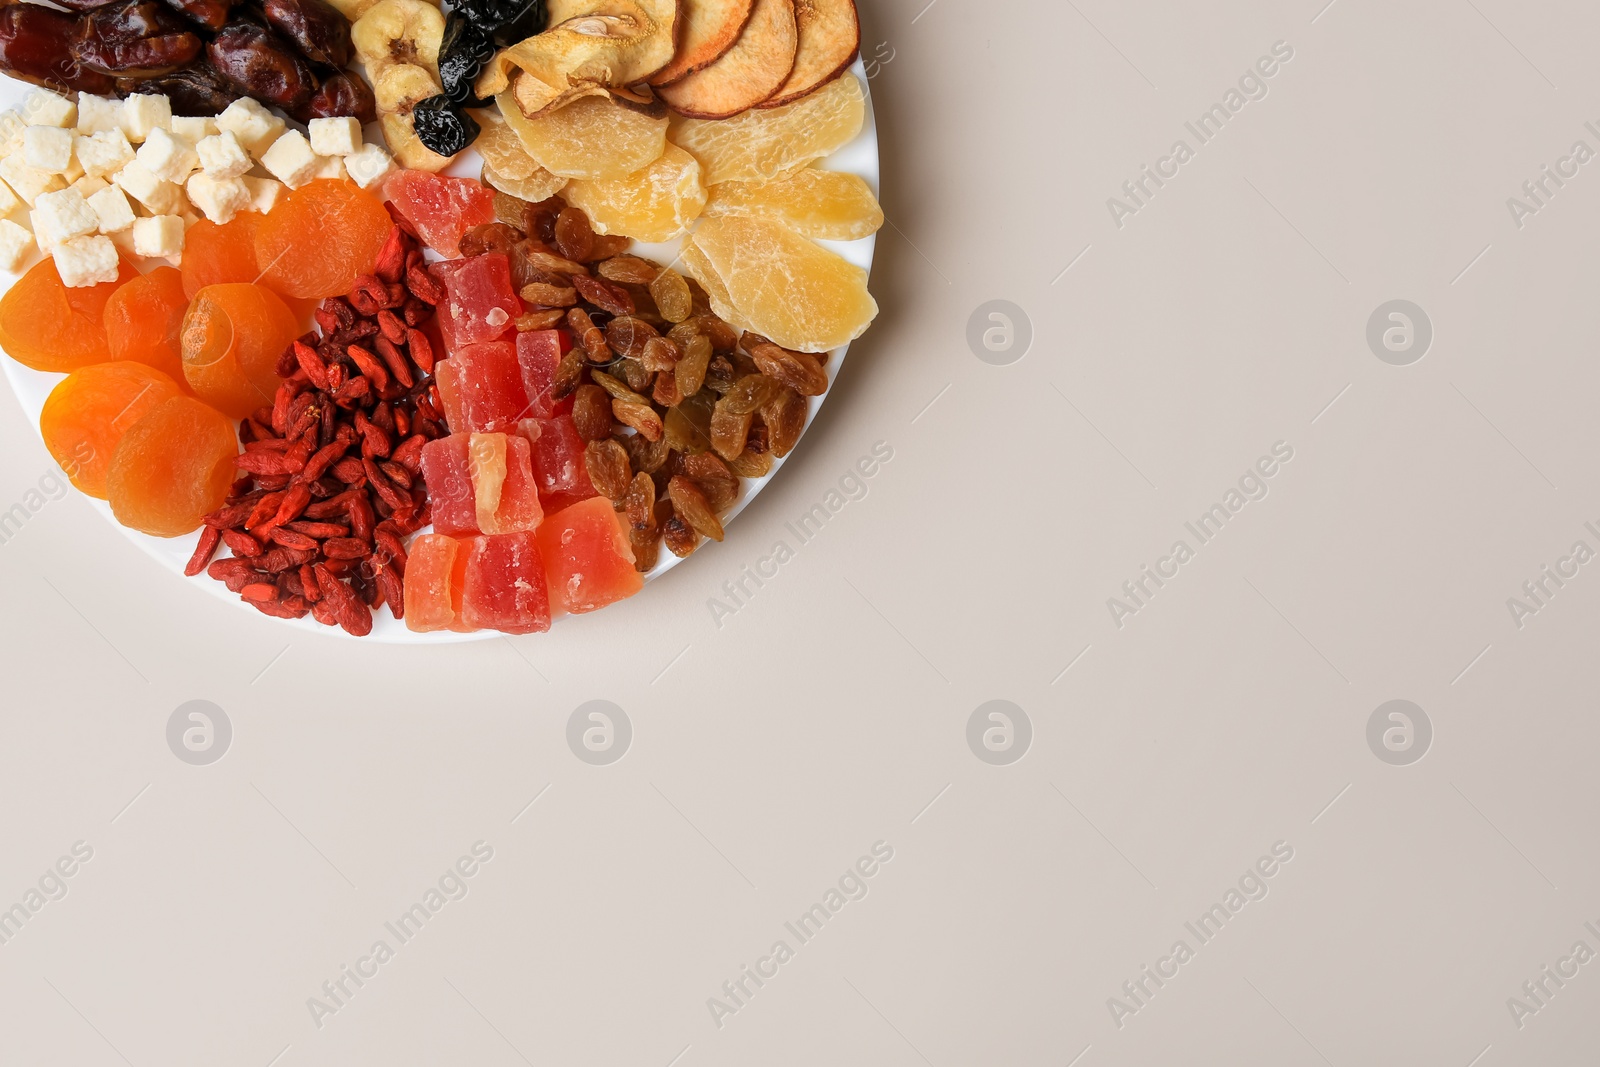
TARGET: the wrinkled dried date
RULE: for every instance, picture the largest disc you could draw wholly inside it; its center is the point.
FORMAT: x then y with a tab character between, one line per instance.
260	63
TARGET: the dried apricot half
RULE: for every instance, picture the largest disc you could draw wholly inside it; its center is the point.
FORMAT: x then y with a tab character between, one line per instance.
762	144
213	254
49	327
654	204
320	238
231	340
172	468
761	274
90	409
143	319
814	203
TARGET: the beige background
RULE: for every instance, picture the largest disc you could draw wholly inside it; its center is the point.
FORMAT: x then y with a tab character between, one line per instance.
830	712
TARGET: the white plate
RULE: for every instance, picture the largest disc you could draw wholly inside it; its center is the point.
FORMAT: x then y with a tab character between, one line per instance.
860	156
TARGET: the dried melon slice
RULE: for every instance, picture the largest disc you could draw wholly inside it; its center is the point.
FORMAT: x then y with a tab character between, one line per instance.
654	204
814	203
507	165
830	36
764	144
706	29
749	72
591	45
762	275
595	138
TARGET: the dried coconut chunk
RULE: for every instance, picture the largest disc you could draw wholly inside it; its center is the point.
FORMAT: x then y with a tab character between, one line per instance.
814	203
762	275
655	204
763	144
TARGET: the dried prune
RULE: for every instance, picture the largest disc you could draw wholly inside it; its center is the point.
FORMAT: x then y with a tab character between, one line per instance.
35	46
529	18
315	26
442	127
261	63
466	48
136	38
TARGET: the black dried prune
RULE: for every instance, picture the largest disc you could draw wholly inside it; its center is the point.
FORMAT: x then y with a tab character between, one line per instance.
36	46
136	38
525	21
464	51
442	127
262	65
315	26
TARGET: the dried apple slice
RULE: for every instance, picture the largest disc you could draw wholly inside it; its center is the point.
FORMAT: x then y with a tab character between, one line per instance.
706	29
814	203
769	143
746	74
763	276
655	204
595	138
830	36
591	45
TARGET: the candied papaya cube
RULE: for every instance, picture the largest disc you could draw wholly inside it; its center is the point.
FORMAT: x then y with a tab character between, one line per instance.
558	466
442	209
430	598
540	352
588	562
479	300
487	382
481	483
504	488
503	587
448	476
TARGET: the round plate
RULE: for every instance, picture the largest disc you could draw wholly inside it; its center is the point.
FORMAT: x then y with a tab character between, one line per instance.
860	157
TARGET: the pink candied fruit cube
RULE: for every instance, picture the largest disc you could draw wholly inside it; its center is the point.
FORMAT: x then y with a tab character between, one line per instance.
588	562
503	585
479	302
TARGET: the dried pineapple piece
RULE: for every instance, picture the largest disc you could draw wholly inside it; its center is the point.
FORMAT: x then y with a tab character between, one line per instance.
653	204
814	203
762	275
766	143
591	46
595	138
507	165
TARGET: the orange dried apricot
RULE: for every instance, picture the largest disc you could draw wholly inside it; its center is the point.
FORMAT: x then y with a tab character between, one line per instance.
88	412
215	254
231	340
172	468
49	327
319	238
143	319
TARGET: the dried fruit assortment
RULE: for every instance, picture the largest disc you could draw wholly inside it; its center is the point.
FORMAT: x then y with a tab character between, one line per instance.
468	402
